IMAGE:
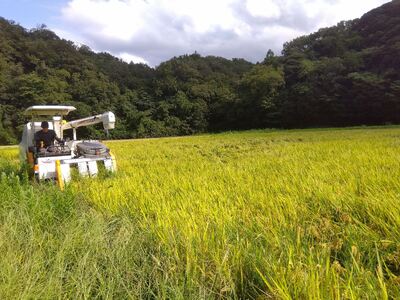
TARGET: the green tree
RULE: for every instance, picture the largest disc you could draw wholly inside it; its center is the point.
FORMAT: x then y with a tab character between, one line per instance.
260	88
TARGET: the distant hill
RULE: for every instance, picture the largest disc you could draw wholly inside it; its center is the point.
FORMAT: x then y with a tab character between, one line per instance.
344	75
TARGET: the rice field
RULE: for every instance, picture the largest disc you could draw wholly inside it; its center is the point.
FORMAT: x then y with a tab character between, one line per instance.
311	214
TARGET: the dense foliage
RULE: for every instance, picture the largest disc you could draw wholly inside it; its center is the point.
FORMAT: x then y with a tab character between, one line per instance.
338	76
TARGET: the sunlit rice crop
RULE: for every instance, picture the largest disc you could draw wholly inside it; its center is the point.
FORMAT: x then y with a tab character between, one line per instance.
271	214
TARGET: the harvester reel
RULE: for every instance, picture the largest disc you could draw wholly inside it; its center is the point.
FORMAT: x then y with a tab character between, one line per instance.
92	149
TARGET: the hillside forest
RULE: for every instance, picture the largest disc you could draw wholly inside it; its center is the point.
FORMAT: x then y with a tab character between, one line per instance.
340	76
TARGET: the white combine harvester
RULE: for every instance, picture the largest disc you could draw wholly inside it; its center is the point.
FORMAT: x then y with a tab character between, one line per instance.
54	162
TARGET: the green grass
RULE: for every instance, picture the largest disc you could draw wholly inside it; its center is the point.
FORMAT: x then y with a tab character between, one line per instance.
311	214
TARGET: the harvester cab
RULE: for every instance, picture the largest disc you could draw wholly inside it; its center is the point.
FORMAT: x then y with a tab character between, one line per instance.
55	162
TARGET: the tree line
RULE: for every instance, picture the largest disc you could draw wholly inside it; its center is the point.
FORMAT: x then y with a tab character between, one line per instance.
344	75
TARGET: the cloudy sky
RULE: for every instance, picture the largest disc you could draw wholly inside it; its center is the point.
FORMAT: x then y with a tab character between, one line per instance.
152	31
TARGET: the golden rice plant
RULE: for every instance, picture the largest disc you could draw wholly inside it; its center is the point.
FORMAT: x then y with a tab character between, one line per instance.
300	214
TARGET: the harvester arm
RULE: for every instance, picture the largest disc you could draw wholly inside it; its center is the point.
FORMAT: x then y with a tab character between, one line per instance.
107	118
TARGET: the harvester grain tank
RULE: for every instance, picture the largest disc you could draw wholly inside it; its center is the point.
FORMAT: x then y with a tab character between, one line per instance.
55	161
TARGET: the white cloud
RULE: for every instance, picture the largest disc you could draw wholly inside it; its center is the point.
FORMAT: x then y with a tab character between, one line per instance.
132	58
263	8
155	30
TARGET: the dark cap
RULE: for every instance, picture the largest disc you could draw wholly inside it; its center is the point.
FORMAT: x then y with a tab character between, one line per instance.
45	124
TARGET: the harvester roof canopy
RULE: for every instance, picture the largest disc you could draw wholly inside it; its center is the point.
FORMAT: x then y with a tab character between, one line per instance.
48	110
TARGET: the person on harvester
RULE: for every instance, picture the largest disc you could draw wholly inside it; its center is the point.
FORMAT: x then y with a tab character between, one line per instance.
45	137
